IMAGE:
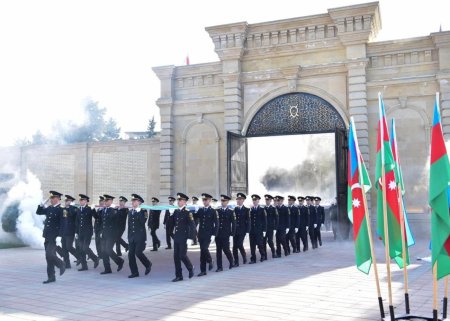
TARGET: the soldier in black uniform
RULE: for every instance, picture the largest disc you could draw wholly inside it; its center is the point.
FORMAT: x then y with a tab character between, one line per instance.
182	228
284	223
121	225
153	224
52	225
167	225
272	224
258	229
227	228
312	221
320	219
84	231
242	214
302	233
193	211
108	216
294	226
208	226
137	236
98	225
67	231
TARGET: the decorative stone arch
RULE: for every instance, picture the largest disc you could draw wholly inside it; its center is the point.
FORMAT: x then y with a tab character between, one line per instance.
303	89
201	120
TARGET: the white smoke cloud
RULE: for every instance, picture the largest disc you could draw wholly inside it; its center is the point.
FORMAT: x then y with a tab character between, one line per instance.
28	194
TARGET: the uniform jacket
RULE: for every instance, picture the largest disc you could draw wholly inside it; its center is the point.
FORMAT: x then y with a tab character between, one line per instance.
242	220
284	220
258	220
312	215
121	225
108	217
227	222
295	217
52	223
320	215
153	219
136	225
83	222
304	216
182	225
68	218
208	222
272	217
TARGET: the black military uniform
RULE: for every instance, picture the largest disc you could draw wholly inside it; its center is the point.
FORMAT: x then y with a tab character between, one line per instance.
242	228
312	220
67	232
208	225
193	211
52	225
167	225
108	216
334	218
84	231
320	219
272	224
137	236
153	225
98	227
227	228
294	226
302	233
284	222
258	228
182	228
121	225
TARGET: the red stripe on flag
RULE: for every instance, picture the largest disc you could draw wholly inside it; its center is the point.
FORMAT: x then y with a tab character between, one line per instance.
447	246
438	145
358	210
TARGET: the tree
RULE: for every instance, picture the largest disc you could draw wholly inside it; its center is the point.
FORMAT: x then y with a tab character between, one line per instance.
151	128
38	138
111	131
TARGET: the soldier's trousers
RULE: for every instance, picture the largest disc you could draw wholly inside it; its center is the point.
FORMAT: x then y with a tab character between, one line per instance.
168	237
84	243
180	255
238	244
107	252
205	256
51	258
291	239
155	240
256	239
318	235
136	249
302	235
223	245
312	237
281	242
98	244
268	239
120	242
66	248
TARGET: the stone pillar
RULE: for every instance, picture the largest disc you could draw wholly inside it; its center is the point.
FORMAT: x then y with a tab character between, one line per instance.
232	96
165	104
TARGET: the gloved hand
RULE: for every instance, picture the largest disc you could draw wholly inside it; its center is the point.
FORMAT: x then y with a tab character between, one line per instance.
213	239
76	236
307	227
44	202
315	225
296	230
287	230
264	234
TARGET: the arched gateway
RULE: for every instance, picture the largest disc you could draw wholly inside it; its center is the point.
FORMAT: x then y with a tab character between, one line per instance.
289	114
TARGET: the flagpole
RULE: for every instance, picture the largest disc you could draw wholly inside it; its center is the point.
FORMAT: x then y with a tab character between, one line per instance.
444	309
386	230
405	267
369	231
435	301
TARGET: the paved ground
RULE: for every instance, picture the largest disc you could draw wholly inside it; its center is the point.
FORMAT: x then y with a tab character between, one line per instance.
316	285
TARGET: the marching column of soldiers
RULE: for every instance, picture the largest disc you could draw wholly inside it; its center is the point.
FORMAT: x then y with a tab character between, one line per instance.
276	227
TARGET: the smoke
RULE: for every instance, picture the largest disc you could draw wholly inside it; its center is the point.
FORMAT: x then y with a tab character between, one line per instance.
27	194
315	174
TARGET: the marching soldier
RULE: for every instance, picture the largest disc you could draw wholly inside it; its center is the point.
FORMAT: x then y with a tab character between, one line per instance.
52	224
242	214
320	219
258	229
294	226
167	223
182	228
284	223
312	221
122	214
137	236
193	211
84	231
272	223
302	233
67	231
227	228
108	234
153	224
98	225
208	226
334	217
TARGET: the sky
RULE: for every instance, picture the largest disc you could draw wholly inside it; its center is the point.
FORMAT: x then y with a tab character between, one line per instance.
56	54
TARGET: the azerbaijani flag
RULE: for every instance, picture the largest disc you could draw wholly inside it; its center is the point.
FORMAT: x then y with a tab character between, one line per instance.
385	159
439	198
409	236
358	183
